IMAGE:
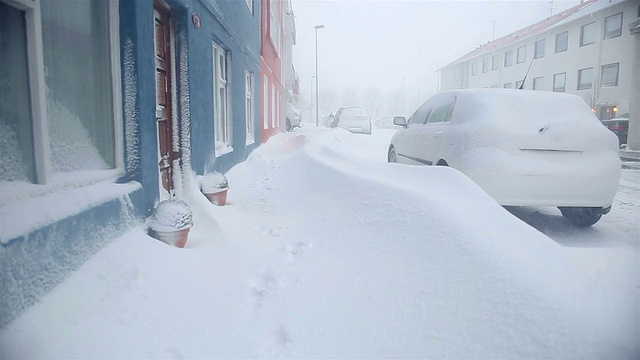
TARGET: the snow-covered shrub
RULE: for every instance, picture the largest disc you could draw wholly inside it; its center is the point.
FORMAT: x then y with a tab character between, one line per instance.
171	215
213	182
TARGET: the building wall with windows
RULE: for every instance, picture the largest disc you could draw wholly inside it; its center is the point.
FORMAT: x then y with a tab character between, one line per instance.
272	54
80	119
586	50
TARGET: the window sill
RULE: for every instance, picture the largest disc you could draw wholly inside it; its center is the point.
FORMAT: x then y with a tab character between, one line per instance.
27	207
222	149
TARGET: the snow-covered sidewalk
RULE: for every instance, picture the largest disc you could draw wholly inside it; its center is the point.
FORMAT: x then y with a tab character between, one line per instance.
326	251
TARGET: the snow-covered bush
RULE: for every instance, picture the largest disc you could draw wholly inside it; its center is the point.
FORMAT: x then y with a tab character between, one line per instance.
171	215
213	182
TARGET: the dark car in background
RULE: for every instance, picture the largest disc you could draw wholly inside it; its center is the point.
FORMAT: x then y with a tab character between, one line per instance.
619	125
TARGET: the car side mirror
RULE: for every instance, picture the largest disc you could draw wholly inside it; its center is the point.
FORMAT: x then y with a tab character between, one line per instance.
400	120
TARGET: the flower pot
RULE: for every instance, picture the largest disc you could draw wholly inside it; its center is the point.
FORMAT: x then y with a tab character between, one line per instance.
218	198
177	238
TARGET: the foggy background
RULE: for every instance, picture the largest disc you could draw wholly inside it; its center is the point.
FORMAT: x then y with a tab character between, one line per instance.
383	55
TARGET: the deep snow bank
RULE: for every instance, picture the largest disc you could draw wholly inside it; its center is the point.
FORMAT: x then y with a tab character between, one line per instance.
327	251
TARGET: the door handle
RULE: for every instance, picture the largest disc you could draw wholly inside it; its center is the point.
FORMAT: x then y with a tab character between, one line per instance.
437	134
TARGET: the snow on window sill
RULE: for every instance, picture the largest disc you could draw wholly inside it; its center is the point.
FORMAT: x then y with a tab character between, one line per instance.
27	207
222	148
250	140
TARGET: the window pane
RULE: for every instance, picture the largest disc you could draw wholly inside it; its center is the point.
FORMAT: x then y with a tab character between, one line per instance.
562	40
508	58
474	69
539	49
613	26
559	82
78	79
585	78
609	75
507	85
538	83
485	65
588	34
495	62
519	84
16	139
522	54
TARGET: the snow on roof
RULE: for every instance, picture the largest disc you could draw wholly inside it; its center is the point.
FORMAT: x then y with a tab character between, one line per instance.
576	12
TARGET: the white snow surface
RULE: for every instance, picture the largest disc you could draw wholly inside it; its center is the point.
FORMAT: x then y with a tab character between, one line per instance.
326	251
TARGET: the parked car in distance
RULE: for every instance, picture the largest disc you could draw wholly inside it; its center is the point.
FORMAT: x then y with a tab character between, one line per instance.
620	126
294	117
353	119
523	147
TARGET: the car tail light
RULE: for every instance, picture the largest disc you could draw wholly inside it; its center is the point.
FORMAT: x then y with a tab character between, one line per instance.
616	127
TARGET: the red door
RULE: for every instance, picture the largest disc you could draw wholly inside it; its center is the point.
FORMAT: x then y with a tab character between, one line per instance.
163	18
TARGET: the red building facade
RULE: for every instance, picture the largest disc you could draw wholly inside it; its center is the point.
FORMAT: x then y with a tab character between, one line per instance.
271	63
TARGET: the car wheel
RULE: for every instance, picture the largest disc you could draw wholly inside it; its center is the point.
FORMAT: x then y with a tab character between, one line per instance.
289	125
392	155
581	217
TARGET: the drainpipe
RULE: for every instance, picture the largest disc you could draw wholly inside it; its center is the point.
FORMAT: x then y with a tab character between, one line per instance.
633	137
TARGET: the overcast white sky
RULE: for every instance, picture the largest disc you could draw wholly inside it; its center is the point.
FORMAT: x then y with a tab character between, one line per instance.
394	43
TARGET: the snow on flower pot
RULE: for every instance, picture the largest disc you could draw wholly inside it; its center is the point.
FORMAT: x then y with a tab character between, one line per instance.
171	221
214	186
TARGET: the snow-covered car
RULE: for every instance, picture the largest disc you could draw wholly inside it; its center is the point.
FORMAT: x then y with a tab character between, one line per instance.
294	117
523	147
353	119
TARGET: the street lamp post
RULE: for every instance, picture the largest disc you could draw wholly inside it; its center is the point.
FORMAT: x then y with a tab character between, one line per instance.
311	97
317	27
438	71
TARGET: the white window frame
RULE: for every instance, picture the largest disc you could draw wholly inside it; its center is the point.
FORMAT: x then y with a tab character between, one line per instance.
265	99
539	48
221	116
556	83
538	83
249	107
495	62
607	67
580	77
618	31
560	36
590	26
474	69
273	106
524	54
508	58
37	92
274	25
486	65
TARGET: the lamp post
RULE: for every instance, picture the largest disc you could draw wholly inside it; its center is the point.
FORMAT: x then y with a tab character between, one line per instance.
438	71
311	98
317	27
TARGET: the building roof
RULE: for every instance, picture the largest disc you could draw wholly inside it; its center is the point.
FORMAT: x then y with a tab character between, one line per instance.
583	9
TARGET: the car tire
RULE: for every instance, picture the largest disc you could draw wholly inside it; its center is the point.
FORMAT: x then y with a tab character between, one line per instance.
289	128
391	156
581	216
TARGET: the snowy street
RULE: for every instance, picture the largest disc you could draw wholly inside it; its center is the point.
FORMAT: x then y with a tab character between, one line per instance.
325	250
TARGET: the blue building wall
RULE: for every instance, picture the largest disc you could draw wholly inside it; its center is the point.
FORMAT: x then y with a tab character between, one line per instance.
33	264
231	25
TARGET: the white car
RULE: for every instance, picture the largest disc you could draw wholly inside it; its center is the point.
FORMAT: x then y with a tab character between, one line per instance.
524	148
294	117
354	119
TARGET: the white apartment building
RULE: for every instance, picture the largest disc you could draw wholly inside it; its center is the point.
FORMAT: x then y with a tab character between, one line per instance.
587	50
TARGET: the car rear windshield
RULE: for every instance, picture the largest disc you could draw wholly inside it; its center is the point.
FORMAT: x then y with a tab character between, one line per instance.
354	114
